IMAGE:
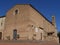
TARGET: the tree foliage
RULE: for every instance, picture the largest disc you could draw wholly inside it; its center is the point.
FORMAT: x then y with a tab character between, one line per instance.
59	36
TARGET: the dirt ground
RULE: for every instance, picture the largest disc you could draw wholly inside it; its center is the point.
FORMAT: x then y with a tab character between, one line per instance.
26	43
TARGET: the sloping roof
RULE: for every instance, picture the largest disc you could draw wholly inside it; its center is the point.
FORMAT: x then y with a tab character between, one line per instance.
2	16
35	9
40	13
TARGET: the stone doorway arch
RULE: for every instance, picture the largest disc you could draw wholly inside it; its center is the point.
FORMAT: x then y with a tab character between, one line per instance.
15	34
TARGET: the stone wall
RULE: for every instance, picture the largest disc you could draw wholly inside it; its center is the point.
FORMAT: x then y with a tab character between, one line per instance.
2	22
25	19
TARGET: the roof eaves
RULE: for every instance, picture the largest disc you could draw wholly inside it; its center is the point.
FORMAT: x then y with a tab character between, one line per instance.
2	16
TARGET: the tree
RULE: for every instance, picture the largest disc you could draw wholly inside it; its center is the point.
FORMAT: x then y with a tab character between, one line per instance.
59	36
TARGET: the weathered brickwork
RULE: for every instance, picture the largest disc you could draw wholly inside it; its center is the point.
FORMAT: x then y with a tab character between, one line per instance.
24	22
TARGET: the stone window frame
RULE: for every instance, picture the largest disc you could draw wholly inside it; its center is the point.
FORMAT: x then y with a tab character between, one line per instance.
14	12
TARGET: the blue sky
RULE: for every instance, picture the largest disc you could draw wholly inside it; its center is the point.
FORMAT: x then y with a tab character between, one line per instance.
46	7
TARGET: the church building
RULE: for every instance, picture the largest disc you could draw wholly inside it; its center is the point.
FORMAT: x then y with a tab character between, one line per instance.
24	22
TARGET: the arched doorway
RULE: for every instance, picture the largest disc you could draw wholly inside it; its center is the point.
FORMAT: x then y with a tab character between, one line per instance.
15	34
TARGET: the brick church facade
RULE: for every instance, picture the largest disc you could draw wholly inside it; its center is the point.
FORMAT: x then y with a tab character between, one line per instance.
24	22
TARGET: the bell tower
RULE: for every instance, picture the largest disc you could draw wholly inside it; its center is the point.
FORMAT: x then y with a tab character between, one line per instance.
53	21
55	32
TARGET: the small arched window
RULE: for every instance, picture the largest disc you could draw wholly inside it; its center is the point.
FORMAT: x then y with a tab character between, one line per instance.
16	12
